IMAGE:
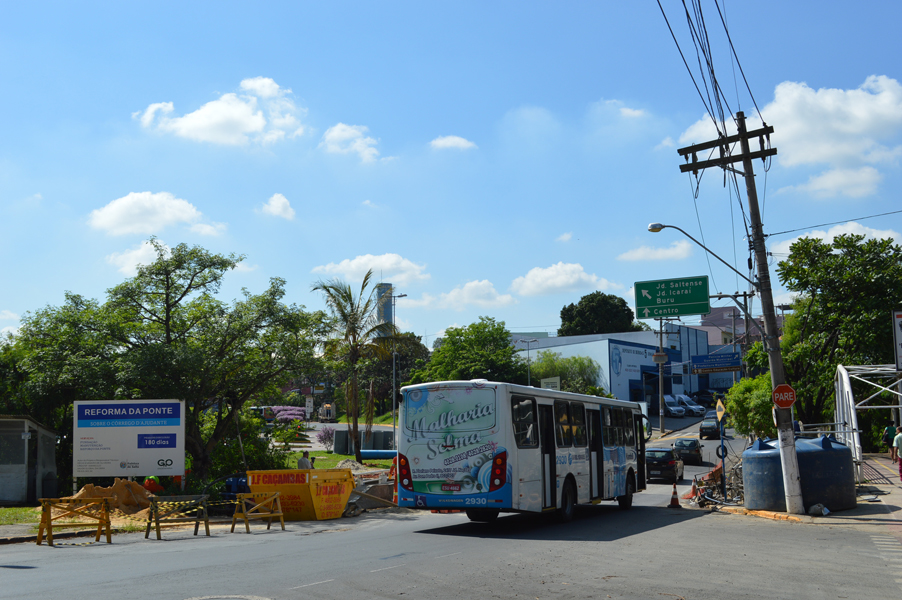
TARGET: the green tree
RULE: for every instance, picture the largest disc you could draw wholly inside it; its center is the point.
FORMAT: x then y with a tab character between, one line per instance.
481	350
598	313
355	335
841	316
163	334
749	404
578	374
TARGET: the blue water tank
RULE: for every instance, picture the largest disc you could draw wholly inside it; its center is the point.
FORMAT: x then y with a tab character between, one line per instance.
825	468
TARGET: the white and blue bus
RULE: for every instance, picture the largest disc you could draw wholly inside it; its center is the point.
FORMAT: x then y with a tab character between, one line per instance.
497	447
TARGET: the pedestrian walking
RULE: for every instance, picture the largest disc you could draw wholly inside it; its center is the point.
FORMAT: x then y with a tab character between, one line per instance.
897	445
888	435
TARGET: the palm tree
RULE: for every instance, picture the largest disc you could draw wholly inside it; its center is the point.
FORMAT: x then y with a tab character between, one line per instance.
356	335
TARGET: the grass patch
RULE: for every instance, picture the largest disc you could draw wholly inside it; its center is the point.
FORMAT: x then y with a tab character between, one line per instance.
327	460
18	515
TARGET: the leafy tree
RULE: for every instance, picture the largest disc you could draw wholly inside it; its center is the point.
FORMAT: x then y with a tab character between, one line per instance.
749	404
578	374
355	335
846	289
163	334
410	350
481	350
598	313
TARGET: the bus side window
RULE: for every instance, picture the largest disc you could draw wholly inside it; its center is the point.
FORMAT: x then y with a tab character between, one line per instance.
523	412
628	428
618	426
578	416
607	427
562	430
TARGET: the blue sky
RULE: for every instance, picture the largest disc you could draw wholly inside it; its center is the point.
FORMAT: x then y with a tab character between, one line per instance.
499	159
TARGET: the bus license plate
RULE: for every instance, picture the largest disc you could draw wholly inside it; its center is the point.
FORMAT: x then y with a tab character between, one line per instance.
655	472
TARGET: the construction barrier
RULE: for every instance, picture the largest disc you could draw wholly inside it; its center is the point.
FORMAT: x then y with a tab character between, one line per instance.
175	509
74	507
306	494
258	506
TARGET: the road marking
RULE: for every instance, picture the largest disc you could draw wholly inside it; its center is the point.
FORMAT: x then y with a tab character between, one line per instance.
309	584
387	568
447	555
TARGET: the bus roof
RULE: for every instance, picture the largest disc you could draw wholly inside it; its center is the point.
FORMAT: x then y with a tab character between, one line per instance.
522	389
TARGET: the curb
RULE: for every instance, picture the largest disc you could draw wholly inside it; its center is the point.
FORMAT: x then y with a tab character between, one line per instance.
765	514
57	536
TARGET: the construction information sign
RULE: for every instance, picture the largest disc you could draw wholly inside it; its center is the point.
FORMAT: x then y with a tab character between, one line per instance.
122	438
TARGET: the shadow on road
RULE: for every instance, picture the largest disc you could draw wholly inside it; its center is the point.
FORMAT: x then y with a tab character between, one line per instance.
591	523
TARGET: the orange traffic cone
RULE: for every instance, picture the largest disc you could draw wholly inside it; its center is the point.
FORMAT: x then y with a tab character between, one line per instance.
674	499
691	494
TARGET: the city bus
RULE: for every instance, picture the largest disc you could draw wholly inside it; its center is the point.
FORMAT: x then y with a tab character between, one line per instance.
488	448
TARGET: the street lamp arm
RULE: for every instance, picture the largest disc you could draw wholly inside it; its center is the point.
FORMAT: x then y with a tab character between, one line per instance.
656	227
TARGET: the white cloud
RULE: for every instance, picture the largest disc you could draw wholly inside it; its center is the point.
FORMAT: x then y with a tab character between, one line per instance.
564	237
263	87
562	277
392	268
451	141
127	261
232	119
631	113
243	268
474	293
278	206
148	212
6	315
209	228
854	183
781	249
678	250
368	204
666	143
846	131
345	139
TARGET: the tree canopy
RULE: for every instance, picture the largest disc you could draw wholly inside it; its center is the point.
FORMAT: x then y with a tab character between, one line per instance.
481	350
163	334
846	289
578	374
598	313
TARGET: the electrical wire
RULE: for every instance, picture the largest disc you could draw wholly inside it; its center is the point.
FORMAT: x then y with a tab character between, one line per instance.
727	31
835	223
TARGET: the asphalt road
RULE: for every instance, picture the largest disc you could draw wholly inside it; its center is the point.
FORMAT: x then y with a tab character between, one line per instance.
645	553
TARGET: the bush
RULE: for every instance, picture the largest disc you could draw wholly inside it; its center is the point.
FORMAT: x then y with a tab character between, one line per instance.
326	437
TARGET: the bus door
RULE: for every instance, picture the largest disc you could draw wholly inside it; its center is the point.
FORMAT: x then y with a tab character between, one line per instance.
639	425
549	473
596	453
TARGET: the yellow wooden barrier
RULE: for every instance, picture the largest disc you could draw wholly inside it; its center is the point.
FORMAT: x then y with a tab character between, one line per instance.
73	507
268	506
174	509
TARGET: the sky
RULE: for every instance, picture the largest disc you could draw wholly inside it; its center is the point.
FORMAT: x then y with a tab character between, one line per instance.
495	159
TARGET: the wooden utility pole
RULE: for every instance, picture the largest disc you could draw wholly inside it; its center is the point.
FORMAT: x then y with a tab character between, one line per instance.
792	485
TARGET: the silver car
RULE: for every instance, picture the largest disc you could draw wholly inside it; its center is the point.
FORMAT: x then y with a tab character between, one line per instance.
690	407
672	408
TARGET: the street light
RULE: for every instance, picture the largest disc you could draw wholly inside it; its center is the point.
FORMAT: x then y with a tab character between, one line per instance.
394	435
528	362
656	227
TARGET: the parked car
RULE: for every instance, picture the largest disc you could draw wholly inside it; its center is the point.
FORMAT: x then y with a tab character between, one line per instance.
672	408
709	428
689	451
692	409
706	397
663	463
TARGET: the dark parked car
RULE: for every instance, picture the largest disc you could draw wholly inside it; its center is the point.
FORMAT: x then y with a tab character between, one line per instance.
706	397
709	428
689	451
663	463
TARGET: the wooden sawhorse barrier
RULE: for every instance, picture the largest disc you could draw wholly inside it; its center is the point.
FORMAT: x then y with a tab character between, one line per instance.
74	507
260	505
174	509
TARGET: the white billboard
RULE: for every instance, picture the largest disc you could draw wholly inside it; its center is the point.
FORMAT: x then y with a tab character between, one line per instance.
122	438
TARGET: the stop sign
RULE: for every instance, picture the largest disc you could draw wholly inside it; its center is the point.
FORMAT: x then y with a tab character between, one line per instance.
784	395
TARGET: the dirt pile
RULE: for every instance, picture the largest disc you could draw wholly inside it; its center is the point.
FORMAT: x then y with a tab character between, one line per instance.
126	496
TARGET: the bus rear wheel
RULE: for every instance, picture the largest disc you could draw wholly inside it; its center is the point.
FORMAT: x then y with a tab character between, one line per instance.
626	501
568	503
482	515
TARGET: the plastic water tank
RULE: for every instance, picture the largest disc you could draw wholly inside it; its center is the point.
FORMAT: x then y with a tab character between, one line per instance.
825	469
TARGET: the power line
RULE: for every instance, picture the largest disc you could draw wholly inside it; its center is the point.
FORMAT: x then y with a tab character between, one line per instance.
835	223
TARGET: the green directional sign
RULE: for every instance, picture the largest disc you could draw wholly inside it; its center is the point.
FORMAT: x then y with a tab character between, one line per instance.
672	297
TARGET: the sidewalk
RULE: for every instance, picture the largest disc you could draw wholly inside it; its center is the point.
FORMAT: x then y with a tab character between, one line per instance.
879	499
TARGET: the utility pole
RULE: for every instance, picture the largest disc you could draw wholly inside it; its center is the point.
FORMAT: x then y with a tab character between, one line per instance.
792	485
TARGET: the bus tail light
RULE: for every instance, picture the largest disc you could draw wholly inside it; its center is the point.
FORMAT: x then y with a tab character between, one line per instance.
405	480
499	472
